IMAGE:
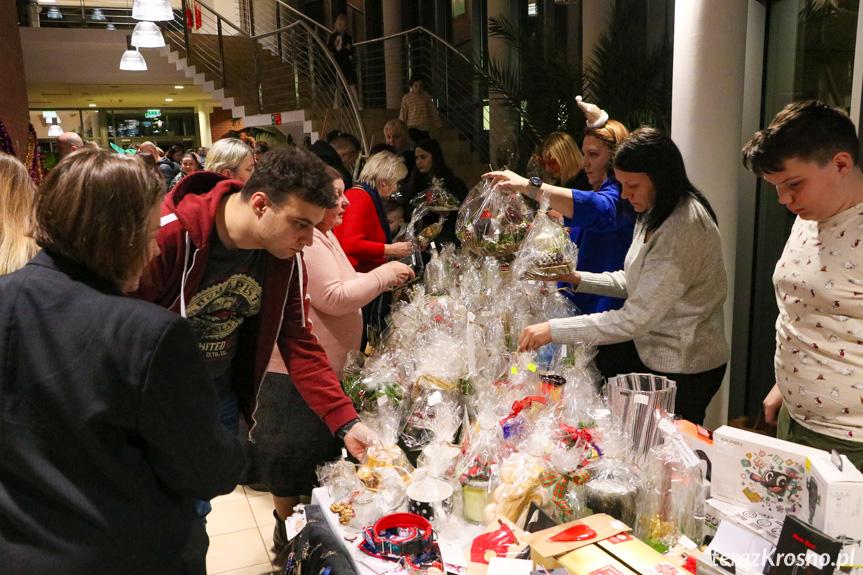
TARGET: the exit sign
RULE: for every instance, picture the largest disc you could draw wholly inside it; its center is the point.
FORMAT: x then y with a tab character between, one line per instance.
153	113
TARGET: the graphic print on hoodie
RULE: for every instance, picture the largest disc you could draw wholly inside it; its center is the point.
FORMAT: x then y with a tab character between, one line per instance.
229	292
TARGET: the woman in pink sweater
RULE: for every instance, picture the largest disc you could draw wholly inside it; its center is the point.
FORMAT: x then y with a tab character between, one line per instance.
337	292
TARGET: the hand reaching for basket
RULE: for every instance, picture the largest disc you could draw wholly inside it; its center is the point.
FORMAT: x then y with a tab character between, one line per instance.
534	337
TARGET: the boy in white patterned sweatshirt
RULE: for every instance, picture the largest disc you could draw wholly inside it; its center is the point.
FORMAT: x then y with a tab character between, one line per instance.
810	152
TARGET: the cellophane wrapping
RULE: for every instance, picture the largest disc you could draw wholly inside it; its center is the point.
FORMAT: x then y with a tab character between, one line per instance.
492	222
436	198
547	253
673	502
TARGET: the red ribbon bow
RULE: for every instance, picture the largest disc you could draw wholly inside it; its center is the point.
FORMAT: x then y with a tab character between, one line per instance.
521	404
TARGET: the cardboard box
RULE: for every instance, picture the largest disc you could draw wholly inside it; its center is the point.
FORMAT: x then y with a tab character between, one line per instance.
699	440
602	525
762	525
760	473
639	556
835	497
592	560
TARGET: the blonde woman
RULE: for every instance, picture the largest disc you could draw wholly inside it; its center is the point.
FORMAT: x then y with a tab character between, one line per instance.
16	199
365	230
563	160
233	158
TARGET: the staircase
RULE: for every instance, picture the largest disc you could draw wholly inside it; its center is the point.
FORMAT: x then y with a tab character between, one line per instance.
280	74
456	150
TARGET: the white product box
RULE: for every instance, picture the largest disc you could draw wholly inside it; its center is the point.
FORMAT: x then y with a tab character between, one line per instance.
762	525
760	473
835	497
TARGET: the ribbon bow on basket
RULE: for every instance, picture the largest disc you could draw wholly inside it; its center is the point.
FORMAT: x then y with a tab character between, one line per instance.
561	482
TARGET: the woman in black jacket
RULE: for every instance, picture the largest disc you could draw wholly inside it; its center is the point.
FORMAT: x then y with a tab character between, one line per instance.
110	427
430	165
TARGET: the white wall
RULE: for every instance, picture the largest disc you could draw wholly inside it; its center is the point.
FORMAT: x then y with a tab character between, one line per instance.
707	103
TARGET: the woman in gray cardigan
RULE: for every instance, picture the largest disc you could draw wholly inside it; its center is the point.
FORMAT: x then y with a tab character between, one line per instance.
673	279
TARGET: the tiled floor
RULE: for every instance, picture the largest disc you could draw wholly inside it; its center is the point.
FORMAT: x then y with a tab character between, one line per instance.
241	533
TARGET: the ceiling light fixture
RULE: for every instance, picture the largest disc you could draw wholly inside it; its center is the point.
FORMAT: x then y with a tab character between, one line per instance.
169	99
110	27
54	131
98	16
132	60
152	10
54	14
147	35
179	87
93	105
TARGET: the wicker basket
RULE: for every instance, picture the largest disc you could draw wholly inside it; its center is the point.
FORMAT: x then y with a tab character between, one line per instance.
548	273
440	209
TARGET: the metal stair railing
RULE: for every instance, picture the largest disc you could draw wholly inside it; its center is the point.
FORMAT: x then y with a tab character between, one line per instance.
291	68
265	16
461	90
315	82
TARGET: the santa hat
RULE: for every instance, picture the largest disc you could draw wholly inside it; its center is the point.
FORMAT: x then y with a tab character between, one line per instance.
596	117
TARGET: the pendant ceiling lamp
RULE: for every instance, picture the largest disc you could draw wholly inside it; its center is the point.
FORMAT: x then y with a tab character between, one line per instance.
55	131
132	60
54	14
98	16
147	35
152	10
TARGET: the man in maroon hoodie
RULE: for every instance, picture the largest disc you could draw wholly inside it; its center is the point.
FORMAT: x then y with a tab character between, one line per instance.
231	262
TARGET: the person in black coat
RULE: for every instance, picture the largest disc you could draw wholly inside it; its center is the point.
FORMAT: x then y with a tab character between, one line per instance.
341	46
110	426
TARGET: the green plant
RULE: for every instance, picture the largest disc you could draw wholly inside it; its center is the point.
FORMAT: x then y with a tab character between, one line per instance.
631	83
539	89
627	78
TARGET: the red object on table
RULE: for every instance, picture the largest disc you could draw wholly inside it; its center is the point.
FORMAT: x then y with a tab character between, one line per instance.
497	541
575	533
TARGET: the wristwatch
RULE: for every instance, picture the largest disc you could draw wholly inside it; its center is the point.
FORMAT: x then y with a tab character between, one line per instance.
343	430
535	185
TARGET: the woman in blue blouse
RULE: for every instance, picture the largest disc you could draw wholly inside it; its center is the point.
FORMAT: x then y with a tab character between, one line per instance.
601	222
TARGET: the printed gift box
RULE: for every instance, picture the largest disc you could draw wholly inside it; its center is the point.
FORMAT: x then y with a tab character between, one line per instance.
835	499
760	473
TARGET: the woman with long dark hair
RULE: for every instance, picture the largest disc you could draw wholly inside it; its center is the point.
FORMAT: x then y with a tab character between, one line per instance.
430	165
673	281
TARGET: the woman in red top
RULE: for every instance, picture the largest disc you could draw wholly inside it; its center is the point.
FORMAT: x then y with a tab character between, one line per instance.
365	232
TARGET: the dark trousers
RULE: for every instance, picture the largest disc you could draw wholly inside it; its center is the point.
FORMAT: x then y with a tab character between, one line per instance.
694	390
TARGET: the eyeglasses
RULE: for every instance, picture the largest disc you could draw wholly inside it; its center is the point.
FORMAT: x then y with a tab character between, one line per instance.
549	163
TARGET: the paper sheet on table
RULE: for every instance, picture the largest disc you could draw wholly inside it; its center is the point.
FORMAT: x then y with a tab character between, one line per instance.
748	551
380	566
506	566
451	553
